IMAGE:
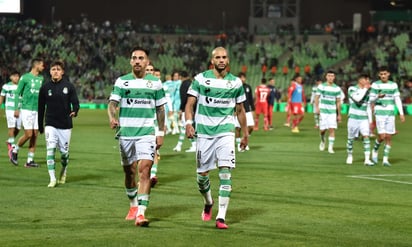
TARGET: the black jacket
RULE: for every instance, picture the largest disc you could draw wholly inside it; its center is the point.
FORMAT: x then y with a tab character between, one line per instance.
56	101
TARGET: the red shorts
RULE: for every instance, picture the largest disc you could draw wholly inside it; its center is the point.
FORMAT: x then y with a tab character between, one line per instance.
297	108
261	109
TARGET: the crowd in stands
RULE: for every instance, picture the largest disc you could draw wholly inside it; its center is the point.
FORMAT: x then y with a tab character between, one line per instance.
96	54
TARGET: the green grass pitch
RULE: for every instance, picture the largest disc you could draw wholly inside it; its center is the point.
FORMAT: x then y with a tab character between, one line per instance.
285	193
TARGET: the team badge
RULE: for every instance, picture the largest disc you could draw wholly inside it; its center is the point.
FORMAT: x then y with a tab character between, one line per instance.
229	84
149	84
65	90
49	92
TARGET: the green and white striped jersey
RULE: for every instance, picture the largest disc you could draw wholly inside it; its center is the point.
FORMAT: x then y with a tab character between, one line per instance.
9	92
358	110
384	106
216	101
29	88
328	95
138	99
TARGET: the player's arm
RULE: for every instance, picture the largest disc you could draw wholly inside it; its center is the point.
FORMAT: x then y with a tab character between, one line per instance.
41	107
160	117
1	99
398	103
18	93
338	108
317	111
241	116
189	113
74	100
359	95
112	113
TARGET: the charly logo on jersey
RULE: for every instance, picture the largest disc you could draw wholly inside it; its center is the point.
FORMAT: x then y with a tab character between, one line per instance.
49	92
65	90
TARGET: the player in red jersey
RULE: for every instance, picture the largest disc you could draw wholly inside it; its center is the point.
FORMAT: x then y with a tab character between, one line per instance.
261	104
296	101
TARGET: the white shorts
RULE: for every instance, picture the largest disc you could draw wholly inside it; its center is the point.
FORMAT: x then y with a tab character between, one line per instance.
327	121
29	119
249	120
385	124
218	151
12	122
58	138
142	148
356	126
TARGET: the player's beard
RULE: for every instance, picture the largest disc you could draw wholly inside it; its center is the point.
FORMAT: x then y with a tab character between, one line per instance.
220	69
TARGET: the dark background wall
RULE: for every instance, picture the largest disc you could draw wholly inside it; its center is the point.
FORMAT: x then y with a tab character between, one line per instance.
195	13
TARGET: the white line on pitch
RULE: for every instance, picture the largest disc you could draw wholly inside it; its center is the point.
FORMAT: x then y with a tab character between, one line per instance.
378	177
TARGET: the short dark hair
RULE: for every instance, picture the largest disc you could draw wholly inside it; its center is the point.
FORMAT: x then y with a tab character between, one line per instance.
184	73
57	63
363	76
263	80
241	74
139	48
296	76
384	68
14	72
35	61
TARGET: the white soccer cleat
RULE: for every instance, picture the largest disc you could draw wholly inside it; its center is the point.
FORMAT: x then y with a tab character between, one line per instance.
368	163
177	148
330	150
52	184
247	148
349	160
322	146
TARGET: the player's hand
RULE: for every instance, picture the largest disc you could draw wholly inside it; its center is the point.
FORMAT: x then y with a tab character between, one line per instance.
339	118
114	123
190	131
159	142
244	142
402	117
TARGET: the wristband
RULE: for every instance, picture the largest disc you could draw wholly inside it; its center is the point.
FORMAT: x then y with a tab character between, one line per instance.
189	122
160	133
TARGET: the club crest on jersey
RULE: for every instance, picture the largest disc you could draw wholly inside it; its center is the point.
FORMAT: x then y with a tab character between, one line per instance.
149	84
229	84
65	90
49	92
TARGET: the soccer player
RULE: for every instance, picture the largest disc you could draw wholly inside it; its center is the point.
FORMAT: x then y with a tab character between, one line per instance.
359	118
175	98
312	101
274	97
384	96
261	104
139	97
216	93
249	109
58	103
297	101
150	69
7	95
328	106
28	89
184	87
